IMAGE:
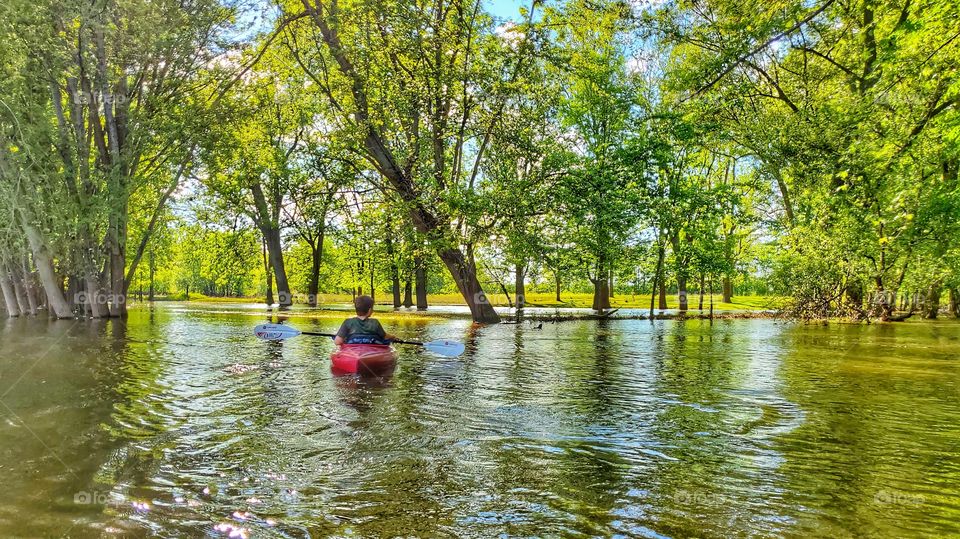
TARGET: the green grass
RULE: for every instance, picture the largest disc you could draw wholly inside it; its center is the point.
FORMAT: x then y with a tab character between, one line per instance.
547	299
627	301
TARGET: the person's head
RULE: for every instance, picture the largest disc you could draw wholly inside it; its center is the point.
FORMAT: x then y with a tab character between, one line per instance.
364	305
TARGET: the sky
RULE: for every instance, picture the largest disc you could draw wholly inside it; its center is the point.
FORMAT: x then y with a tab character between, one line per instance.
505	9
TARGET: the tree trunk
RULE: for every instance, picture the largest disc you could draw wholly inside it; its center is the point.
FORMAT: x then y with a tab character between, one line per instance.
48	277
29	288
711	300
933	306
21	294
886	309
465	275
275	254
420	272
152	266
519	286
682	293
373	289
94	299
662	304
9	295
394	273
556	277
313	289
601	288
954	302
727	289
117	256
601	295
503	288
784	195
408	293
701	292
658	278
601	291
268	270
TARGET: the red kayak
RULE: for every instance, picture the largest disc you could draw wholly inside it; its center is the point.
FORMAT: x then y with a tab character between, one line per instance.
363	359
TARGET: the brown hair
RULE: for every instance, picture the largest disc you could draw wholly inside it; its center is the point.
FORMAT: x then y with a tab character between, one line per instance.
363	304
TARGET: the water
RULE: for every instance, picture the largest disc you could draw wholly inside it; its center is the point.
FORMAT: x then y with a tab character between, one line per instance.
179	423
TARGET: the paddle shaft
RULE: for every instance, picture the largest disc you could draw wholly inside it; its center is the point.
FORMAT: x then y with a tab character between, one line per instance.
315	334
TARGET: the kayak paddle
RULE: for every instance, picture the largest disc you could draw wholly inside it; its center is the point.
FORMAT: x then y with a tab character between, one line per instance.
279	332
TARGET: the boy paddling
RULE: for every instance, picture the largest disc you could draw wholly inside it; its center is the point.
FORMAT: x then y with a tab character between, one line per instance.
362	329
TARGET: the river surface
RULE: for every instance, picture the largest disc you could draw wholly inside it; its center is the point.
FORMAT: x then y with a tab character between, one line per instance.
179	423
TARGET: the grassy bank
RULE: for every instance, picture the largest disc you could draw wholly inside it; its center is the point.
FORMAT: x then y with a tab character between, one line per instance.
536	299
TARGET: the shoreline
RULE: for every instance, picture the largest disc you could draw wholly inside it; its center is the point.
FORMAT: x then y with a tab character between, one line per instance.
509	316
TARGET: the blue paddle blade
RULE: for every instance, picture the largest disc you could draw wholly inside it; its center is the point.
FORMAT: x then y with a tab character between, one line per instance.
274	332
445	348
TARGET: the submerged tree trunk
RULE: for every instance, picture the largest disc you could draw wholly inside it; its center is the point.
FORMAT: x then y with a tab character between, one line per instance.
275	254
267	220
152	267
682	293
373	289
42	259
464	273
394	273
601	288
658	278
601	293
269	273
21	294
519	287
9	296
395	287
420	272
407	293
316	252
29	288
701	292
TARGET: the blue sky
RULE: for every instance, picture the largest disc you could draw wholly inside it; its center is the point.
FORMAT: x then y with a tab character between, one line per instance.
505	9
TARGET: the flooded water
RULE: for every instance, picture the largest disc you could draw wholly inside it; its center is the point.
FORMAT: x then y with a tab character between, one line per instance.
180	423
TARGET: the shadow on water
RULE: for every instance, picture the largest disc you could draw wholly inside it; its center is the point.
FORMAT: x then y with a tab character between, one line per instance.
180	423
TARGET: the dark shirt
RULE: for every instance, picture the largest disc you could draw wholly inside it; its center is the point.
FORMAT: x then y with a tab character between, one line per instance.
357	330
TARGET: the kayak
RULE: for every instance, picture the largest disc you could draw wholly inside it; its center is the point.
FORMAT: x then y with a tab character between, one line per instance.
363	359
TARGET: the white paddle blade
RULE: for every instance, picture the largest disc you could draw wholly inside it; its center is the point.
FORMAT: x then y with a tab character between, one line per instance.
274	332
445	348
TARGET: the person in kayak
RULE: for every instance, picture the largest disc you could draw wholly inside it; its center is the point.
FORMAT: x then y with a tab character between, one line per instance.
362	329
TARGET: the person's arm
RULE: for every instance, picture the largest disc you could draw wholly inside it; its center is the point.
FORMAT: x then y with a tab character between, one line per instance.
342	334
383	334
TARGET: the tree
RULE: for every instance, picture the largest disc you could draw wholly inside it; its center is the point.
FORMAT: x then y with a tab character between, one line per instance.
422	88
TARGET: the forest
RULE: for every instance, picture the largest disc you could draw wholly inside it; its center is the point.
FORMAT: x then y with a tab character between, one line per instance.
161	149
